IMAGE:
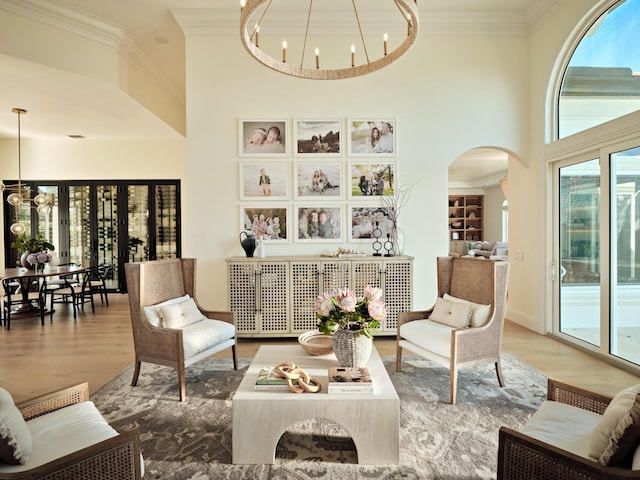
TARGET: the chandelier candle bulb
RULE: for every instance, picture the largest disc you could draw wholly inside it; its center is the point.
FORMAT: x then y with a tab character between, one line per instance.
385	37
317	58
284	52
353	55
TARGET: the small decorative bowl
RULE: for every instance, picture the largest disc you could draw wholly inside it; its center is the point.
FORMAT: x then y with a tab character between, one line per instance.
316	343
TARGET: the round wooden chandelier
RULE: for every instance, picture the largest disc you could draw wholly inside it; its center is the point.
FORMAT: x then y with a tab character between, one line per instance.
253	12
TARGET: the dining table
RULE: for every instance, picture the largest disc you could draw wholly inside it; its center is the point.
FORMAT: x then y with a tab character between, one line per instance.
25	277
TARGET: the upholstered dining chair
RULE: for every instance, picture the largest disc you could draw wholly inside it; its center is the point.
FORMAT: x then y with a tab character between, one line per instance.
464	328
169	327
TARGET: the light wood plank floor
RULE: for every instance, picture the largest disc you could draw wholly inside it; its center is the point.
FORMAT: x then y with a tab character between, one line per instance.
36	359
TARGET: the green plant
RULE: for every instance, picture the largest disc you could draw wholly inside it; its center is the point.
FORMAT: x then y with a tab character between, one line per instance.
342	310
27	244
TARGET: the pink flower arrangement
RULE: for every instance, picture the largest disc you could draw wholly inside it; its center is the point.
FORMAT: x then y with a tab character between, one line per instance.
39	257
343	310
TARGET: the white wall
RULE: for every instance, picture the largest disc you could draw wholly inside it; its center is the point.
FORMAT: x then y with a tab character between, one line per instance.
492	214
449	95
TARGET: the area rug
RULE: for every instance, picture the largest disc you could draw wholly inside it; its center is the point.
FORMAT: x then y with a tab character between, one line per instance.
192	440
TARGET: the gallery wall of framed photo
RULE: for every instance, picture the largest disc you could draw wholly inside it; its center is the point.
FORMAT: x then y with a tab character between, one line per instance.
310	180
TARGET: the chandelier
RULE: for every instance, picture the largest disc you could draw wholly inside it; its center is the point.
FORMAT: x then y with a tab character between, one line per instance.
255	13
19	196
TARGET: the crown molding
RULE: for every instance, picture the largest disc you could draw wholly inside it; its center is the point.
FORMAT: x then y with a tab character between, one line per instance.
69	19
225	21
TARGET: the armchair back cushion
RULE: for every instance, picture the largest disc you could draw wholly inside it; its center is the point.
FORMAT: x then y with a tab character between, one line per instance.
479	313
454	314
152	312
617	435
15	438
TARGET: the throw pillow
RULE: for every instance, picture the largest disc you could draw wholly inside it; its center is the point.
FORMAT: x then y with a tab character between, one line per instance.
617	434
152	312
181	314
453	314
15	437
479	313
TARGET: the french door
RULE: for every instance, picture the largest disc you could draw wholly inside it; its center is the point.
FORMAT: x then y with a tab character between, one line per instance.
597	247
104	222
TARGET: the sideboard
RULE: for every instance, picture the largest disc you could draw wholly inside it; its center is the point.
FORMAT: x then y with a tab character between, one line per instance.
274	296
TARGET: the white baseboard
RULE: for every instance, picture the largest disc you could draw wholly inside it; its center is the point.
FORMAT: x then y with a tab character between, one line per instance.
526	321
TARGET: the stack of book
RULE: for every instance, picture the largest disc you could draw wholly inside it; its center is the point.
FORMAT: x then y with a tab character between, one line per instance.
267	381
349	380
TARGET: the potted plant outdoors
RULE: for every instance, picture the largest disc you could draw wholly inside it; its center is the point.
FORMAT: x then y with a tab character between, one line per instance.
26	245
352	321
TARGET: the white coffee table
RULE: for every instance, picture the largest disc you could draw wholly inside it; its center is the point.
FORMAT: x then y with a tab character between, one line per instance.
261	417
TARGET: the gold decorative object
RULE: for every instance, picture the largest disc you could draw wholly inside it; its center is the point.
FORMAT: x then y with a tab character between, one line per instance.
251	25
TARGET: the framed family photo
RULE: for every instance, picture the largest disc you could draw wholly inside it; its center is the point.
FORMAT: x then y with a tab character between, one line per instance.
317	138
269	221
363	221
263	138
264	180
371	179
374	137
318	179
317	223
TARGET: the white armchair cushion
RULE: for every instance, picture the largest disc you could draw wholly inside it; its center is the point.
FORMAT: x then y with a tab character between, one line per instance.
479	313
152	312
62	432
15	438
200	336
432	336
181	314
454	314
617	434
563	426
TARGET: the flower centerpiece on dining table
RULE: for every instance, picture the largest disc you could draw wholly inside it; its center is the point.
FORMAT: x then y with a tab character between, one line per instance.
38	259
351	320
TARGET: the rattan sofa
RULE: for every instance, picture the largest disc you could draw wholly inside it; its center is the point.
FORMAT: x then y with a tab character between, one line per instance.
522	457
116	457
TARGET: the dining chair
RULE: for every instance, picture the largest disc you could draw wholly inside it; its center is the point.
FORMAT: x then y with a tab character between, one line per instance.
76	291
23	293
98	281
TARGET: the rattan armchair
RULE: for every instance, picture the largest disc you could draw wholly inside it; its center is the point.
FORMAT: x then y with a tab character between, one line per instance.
115	458
521	457
476	280
150	283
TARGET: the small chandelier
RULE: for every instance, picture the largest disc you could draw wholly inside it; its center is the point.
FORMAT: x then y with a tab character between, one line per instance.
19	196
250	31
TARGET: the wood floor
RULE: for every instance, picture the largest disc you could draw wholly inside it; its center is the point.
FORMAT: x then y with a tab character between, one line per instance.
36	359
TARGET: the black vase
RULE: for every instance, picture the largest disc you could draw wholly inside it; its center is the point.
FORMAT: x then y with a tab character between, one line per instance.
248	242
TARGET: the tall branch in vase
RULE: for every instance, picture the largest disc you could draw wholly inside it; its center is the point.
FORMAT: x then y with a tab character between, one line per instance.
393	205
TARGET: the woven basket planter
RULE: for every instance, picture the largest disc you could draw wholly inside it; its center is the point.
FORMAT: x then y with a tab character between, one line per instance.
352	348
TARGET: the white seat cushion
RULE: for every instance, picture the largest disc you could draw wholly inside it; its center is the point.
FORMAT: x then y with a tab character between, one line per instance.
62	432
563	426
204	334
432	336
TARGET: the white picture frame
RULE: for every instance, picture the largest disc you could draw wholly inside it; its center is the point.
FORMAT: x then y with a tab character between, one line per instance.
318	137
279	215
264	180
363	219
318	179
361	140
368	180
253	145
334	218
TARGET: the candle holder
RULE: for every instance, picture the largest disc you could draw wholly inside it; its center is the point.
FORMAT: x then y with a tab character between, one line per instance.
377	244
388	246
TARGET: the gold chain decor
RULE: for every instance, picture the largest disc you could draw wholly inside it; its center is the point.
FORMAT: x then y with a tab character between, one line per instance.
289	371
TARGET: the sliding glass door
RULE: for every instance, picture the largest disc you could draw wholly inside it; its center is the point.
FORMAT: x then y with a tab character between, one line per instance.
598	247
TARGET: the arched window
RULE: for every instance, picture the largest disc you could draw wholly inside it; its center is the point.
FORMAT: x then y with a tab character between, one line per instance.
602	79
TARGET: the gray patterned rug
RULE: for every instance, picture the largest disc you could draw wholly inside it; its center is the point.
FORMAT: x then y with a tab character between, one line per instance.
192	440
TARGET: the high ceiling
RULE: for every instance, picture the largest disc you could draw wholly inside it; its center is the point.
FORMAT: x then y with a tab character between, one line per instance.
67	103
